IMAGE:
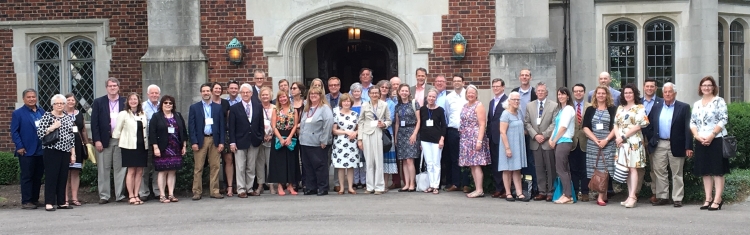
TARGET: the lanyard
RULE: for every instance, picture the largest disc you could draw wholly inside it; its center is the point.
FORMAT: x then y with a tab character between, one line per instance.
309	115
429	114
207	109
112	105
600	116
153	107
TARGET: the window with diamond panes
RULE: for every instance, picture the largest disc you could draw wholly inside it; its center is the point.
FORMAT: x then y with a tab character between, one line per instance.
736	58
721	60
47	71
659	52
81	64
622	52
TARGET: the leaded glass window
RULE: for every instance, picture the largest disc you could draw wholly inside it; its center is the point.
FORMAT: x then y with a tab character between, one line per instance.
47	71
721	60
64	69
81	63
736	58
660	52
622	52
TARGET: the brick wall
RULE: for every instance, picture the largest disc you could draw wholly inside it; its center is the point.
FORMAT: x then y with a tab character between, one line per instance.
222	20
475	20
127	24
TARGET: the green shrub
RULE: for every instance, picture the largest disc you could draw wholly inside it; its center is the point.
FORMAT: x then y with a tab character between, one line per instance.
89	176
10	171
739	126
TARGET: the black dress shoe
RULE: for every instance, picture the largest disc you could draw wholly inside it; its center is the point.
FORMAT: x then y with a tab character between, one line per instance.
660	202
29	206
322	193
311	192
39	204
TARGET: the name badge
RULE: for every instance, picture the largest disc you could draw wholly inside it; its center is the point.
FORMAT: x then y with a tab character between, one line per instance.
36	123
308	120
403	123
209	121
75	129
113	115
599	126
373	123
267	123
170	130
429	122
539	121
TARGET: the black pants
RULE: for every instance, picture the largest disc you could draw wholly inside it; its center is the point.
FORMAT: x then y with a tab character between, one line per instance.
451	149
497	176
315	163
32	170
56	164
577	163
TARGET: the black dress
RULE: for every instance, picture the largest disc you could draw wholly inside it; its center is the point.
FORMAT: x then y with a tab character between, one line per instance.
136	157
80	148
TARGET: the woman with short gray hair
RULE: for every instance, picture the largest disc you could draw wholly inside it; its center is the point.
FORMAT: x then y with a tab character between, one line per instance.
359	171
59	152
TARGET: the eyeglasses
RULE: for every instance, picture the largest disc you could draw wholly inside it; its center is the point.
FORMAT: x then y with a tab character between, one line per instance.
332	84
167	103
294	88
515	99
707	85
497	86
58	103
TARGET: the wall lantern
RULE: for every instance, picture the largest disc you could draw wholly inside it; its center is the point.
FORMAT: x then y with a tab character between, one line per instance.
234	51
458	45
354	34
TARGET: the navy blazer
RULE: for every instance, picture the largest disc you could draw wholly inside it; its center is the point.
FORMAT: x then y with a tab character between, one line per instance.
256	95
23	130
647	131
681	138
493	119
196	123
100	128
241	131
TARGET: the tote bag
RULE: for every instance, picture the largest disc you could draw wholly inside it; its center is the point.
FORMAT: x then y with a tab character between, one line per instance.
422	179
621	171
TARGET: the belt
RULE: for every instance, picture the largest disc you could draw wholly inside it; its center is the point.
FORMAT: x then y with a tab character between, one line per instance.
412	125
204	135
667	139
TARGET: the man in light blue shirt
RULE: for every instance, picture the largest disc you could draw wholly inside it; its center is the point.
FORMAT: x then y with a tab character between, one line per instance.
365	78
150	106
604	80
649	95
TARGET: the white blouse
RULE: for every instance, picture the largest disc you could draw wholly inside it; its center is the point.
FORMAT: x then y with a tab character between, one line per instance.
705	118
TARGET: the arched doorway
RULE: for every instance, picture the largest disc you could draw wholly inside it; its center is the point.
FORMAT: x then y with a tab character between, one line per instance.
333	54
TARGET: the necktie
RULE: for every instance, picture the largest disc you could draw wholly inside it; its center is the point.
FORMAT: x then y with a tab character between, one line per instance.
578	113
541	108
247	110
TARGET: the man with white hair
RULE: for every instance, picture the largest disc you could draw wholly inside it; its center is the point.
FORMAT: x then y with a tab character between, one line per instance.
604	80
669	143
150	106
246	132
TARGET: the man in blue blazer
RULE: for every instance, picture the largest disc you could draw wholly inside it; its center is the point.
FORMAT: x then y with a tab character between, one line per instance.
650	99
493	132
246	132
104	112
206	129
23	126
669	143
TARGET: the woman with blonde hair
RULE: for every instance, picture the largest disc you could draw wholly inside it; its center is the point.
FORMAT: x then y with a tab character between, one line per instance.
597	123
315	134
283	164
474	147
406	130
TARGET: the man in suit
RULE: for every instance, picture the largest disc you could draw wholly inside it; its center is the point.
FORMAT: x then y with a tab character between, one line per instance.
23	124
259	76
577	160
493	132
104	111
538	121
206	129
150	107
649	100
528	94
246	132
604	80
419	91
670	142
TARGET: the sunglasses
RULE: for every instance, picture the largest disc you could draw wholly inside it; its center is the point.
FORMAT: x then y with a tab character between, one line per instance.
168	103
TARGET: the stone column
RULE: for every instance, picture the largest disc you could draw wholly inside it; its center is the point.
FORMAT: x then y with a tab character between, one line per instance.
703	28
522	41
582	38
174	60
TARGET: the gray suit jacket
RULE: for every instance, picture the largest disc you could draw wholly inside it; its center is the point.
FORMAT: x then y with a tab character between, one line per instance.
545	127
427	87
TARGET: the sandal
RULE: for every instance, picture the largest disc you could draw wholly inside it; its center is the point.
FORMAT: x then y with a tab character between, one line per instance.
522	197
567	200
131	201
173	199
75	202
436	191
510	198
475	194
429	190
163	199
138	201
229	192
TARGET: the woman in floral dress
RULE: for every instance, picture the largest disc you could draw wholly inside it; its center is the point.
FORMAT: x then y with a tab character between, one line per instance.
406	129
475	149
345	155
630	118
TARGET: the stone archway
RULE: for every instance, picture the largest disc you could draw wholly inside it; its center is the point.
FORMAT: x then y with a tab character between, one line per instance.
286	62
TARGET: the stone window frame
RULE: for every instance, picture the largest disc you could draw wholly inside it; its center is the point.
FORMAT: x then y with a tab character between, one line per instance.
664	43
736	61
26	33
65	80
721	64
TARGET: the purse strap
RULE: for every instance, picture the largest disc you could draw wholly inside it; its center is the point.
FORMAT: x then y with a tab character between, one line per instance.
599	156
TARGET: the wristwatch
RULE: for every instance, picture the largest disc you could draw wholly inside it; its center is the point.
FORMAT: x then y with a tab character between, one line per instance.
623	137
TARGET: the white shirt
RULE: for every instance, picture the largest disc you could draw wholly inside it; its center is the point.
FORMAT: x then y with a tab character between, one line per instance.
149	108
455	104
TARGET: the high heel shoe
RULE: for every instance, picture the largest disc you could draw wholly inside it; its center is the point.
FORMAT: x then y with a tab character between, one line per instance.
632	204
707	205
716	208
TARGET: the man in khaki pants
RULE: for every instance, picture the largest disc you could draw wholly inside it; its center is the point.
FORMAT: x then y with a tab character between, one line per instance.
670	142
246	132
206	128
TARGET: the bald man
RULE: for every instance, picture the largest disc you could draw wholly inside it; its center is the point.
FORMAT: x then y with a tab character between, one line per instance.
604	80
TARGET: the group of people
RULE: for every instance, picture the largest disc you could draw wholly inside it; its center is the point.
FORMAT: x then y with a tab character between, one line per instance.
289	141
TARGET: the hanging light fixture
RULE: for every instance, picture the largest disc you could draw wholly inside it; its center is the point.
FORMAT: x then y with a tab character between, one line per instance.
234	51
458	45
354	34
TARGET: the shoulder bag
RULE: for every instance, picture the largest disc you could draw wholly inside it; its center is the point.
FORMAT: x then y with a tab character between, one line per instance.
422	179
729	146
621	171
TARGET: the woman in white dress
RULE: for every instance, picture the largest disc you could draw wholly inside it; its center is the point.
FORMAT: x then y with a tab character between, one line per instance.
345	155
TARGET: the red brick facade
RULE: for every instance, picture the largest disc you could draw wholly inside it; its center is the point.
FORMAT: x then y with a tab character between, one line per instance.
222	20
476	19
127	23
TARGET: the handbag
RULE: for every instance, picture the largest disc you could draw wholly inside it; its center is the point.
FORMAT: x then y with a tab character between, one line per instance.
621	171
559	190
277	143
422	179
729	146
600	179
51	138
90	153
387	143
